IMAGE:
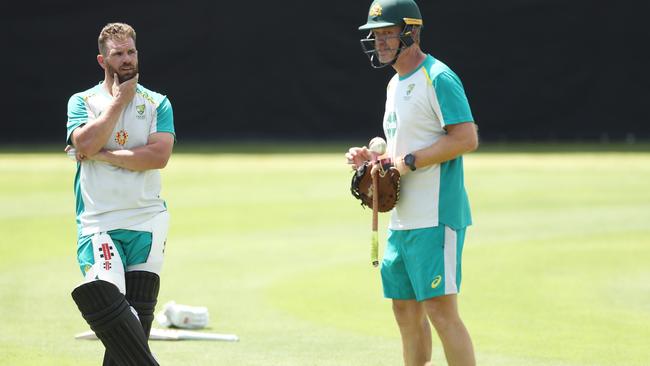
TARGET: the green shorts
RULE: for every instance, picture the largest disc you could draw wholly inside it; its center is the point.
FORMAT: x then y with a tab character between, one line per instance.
422	263
108	255
133	248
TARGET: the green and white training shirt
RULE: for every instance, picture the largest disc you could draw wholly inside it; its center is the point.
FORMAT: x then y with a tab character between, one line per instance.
109	197
418	107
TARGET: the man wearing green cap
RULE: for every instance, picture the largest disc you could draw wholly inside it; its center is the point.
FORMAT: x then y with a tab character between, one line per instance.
428	126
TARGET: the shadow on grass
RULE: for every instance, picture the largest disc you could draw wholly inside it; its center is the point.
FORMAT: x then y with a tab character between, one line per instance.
340	146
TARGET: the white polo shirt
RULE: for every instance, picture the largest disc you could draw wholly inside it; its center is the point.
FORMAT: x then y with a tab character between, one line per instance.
418	107
109	197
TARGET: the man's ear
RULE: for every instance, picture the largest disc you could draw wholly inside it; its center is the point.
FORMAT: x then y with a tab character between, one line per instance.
100	61
415	33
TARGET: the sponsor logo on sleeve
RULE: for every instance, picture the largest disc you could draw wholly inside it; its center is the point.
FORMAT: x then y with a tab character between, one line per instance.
390	125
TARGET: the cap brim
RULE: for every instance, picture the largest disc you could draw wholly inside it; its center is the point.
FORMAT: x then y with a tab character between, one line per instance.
376	25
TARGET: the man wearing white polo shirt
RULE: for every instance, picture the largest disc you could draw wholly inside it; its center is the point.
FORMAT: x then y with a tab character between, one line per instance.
121	135
428	126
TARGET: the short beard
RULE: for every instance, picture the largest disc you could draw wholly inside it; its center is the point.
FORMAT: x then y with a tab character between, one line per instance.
123	77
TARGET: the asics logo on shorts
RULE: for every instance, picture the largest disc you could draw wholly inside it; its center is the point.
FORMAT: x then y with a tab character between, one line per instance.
436	281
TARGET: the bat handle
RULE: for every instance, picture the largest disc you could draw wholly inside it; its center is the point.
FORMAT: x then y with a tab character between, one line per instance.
374	249
374	243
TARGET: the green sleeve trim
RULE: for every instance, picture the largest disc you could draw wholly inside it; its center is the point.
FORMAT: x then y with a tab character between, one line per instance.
165	120
77	115
451	98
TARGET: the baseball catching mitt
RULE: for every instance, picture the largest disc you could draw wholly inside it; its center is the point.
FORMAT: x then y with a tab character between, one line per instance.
388	181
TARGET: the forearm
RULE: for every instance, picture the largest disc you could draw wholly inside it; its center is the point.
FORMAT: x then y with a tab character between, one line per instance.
141	158
460	139
93	136
448	147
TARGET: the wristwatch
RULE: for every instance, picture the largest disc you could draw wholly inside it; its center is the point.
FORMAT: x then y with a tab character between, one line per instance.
409	160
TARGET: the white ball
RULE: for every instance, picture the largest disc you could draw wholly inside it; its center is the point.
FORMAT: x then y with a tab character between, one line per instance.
377	145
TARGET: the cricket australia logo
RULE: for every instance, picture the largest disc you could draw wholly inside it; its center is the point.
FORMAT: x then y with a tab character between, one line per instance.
409	89
121	137
140	110
375	10
390	125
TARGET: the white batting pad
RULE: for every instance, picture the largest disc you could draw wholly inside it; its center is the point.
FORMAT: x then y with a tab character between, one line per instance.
108	263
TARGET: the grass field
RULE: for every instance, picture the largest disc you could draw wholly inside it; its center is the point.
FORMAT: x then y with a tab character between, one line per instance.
556	267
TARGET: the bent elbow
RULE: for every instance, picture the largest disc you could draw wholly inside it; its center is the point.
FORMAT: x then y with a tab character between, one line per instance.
471	144
162	163
84	148
85	145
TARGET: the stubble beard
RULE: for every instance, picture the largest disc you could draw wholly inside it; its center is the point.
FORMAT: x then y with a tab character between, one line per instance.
386	57
124	75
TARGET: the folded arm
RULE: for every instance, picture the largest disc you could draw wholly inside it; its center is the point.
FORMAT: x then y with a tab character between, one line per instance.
154	155
90	138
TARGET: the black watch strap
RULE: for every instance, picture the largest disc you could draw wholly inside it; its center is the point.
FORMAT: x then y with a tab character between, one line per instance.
409	160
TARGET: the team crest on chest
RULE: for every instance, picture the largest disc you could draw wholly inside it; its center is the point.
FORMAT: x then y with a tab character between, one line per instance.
409	90
140	110
121	137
